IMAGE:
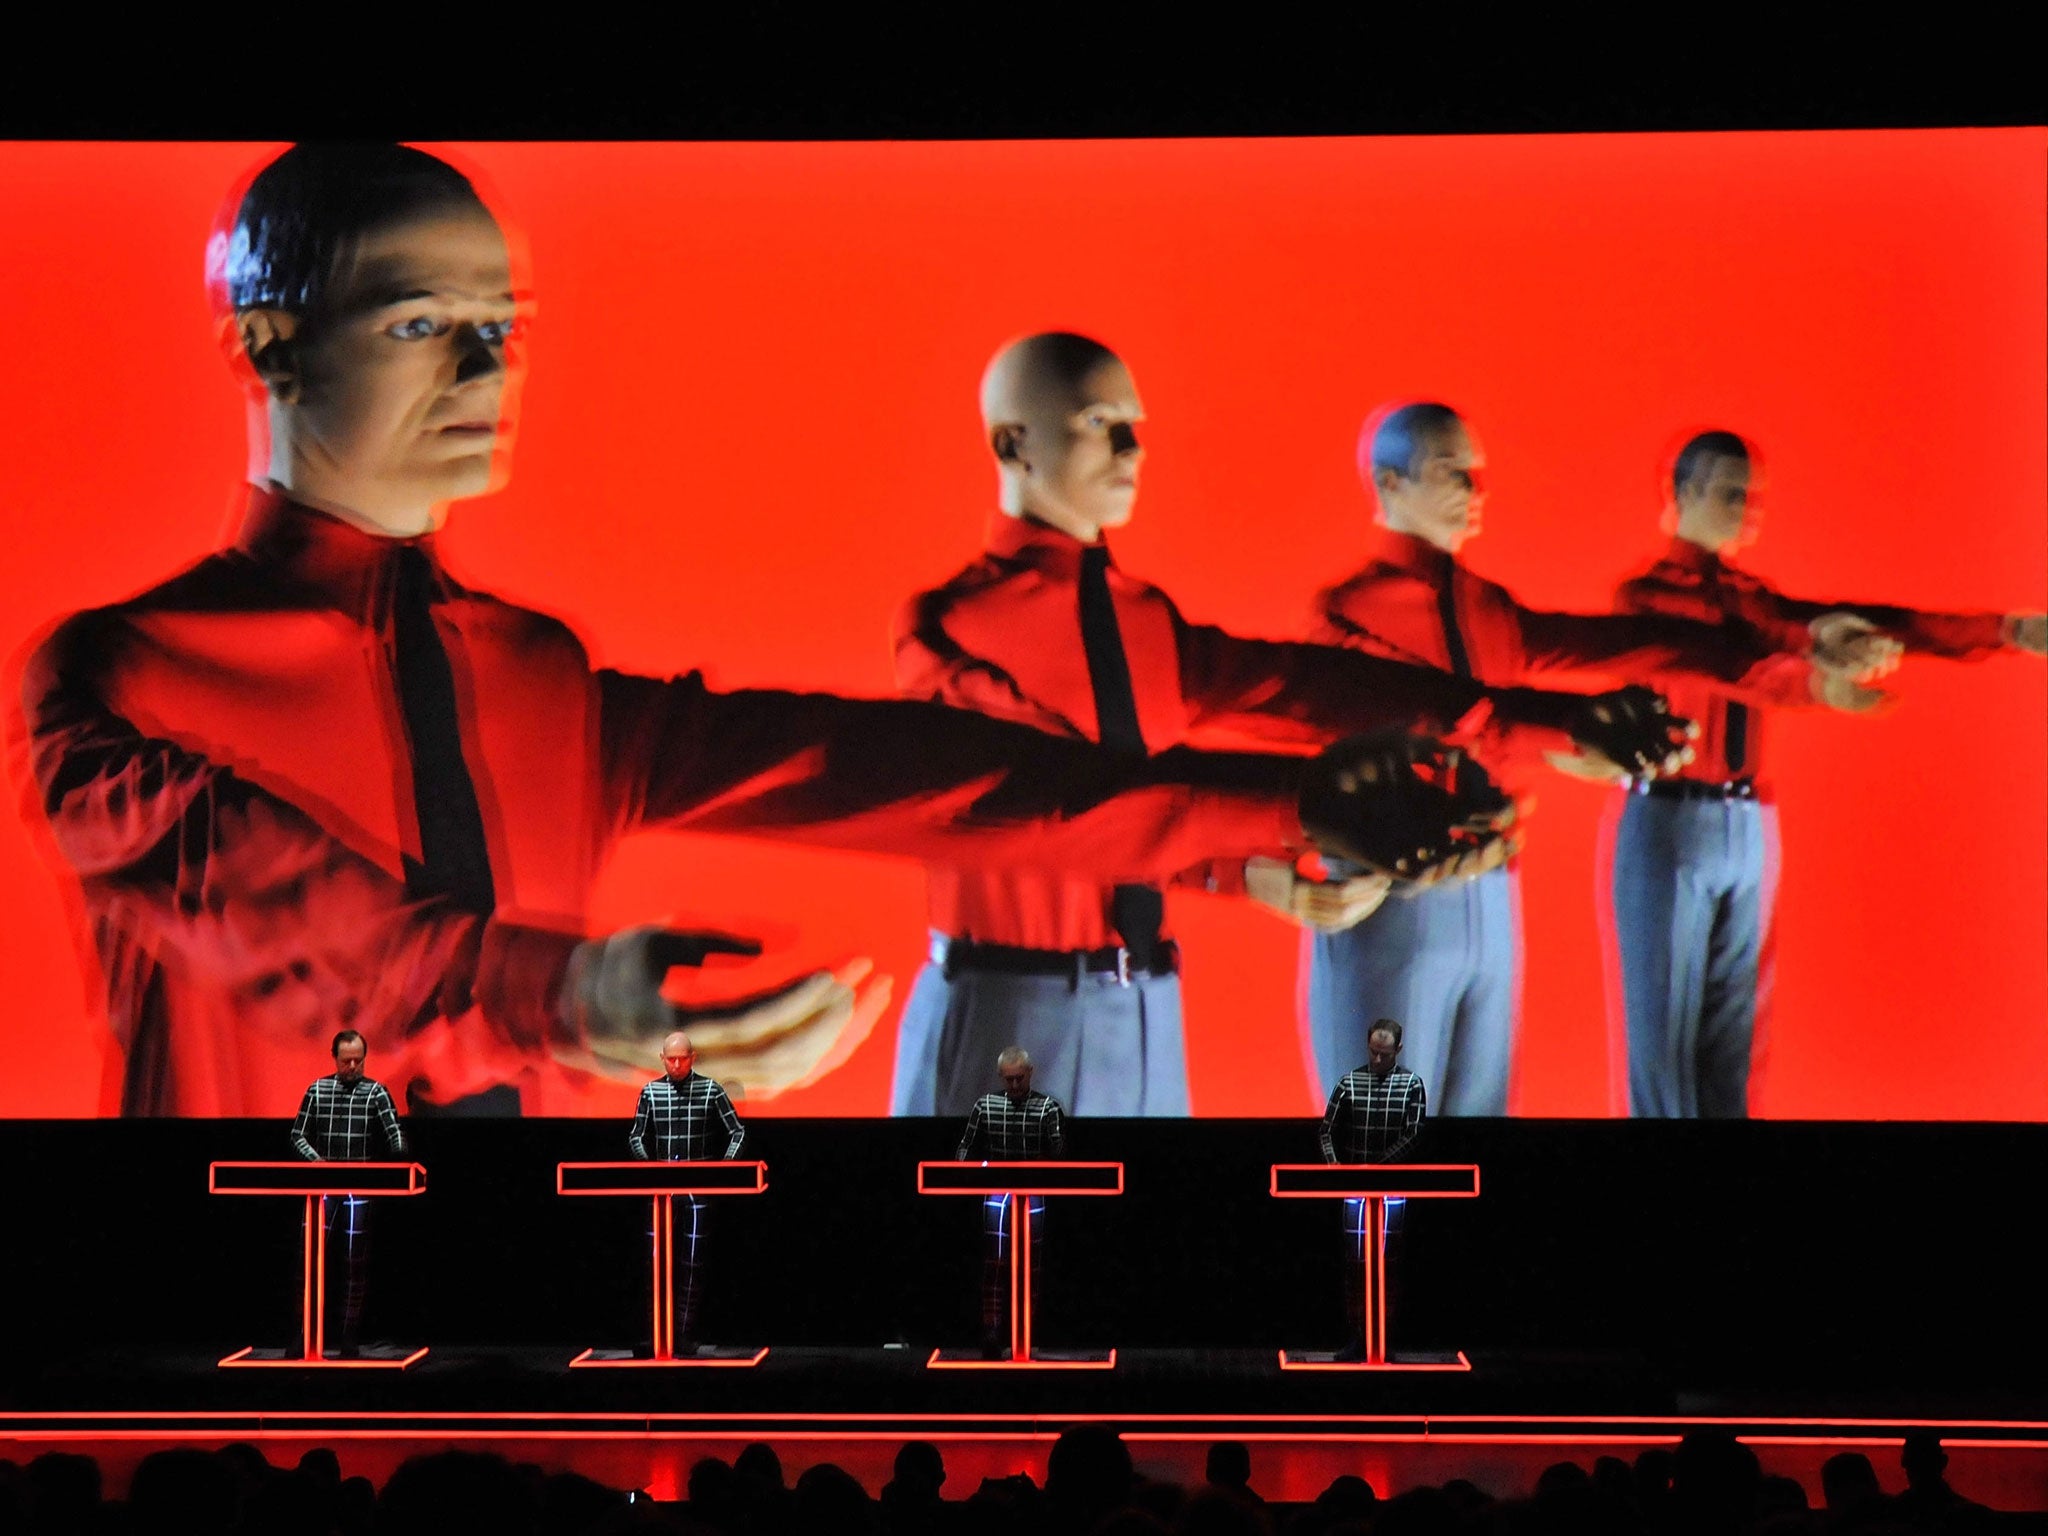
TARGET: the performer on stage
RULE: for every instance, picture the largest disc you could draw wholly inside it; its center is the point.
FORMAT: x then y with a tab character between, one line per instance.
1448	960
1018	1125
685	1118
334	1125
315	779
1374	1115
1046	629
1693	879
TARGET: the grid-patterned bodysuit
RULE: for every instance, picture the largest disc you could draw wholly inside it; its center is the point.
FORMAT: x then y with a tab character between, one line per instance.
1370	1119
677	1123
1004	1131
337	1122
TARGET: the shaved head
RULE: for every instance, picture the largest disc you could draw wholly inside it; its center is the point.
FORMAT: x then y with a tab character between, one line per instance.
1061	414
678	1056
1021	376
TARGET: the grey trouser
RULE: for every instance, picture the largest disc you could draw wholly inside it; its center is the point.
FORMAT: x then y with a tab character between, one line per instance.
1099	1045
1693	882
1444	964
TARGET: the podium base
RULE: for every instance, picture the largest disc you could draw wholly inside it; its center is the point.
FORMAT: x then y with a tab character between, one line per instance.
1403	1360
1039	1360
708	1354
373	1357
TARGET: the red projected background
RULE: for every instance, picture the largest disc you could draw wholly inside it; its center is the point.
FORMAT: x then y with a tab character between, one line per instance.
749	431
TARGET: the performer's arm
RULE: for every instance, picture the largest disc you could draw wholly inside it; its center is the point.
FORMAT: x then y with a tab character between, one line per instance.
971	1138
923	781
387	1116
1056	1130
1657	648
1286	691
637	1137
735	1132
1412	1115
1327	1131
299	1143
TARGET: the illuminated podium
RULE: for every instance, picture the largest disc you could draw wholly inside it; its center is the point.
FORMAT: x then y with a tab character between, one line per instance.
660	1183
311	1181
1019	1181
1375	1184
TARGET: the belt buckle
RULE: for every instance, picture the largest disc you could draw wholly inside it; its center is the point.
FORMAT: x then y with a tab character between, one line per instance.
1123	966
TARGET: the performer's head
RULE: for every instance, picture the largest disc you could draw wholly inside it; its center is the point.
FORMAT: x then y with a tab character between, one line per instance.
1061	414
1425	468
1382	1046
1013	1066
1710	482
366	294
678	1056
348	1050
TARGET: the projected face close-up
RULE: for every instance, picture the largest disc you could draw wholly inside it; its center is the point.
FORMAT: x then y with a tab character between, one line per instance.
321	718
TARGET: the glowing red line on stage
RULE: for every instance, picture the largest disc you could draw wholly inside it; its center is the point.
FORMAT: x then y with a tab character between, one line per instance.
316	1182
939	1178
1374	1184
663	1182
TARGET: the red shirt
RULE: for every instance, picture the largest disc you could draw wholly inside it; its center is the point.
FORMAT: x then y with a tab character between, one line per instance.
1003	638
223	764
1415	602
1692	582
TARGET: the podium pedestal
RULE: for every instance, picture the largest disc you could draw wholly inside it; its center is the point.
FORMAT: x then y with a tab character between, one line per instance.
1018	1181
1375	1184
313	1182
661	1183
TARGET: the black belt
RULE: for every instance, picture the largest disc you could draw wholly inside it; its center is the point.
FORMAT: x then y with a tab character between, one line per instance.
958	955
1694	789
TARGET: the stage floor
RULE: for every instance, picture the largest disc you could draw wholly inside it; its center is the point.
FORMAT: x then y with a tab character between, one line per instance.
889	1391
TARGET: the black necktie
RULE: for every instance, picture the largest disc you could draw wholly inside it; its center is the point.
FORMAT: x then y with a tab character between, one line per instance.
1137	910
1454	640
1735	719
454	862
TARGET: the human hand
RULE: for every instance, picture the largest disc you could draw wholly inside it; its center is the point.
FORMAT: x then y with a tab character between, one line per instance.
2027	632
1628	733
1407	807
787	1037
1853	647
1327	906
1838	690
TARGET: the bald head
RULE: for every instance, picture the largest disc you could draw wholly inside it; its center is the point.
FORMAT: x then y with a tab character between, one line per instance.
1061	413
678	1056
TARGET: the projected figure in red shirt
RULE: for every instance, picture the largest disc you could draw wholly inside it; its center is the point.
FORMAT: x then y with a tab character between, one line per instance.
1448	960
1045	628
314	781
1691	863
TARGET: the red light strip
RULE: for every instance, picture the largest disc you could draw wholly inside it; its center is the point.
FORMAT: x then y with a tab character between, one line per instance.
1015	1363
1023	1189
1658	1427
680	1188
584	1360
1380	1186
239	1358
416	1180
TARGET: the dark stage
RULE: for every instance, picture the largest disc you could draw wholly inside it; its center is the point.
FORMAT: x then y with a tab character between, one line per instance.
1614	1285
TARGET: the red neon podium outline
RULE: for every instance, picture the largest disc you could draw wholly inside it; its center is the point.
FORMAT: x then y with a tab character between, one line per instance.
1043	1179
314	1181
662	1182
1375	1184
